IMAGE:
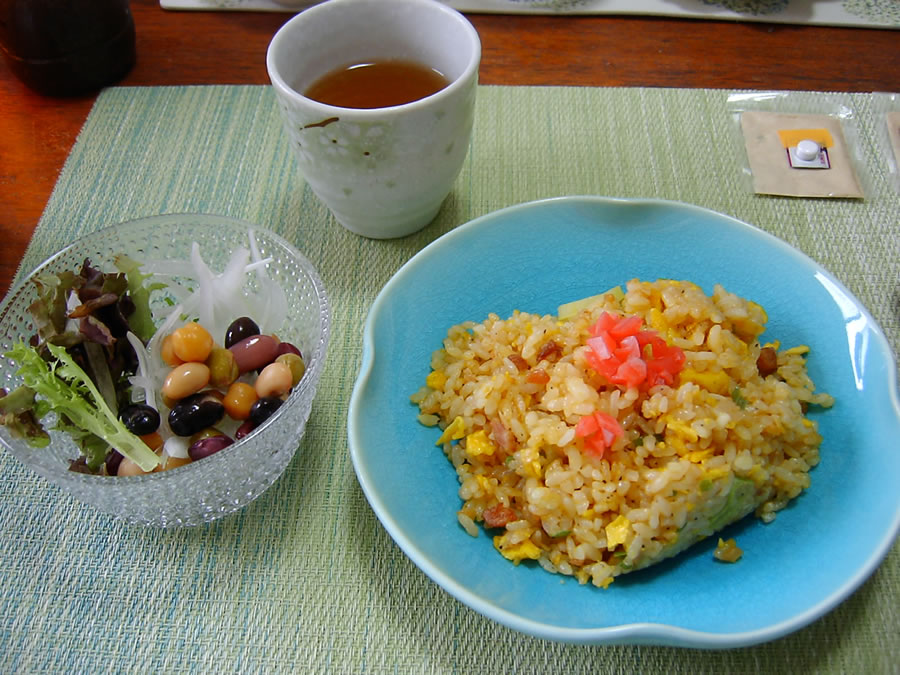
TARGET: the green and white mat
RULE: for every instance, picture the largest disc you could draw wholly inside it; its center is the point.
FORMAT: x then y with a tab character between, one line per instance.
305	579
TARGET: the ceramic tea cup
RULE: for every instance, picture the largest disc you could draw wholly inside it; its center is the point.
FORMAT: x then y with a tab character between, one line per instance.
383	172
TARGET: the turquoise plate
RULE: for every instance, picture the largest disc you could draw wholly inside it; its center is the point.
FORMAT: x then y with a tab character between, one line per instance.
536	256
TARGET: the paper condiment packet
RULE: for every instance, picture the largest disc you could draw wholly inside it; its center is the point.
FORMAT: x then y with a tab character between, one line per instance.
771	141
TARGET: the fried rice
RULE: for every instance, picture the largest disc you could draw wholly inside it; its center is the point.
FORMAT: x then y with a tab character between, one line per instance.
564	460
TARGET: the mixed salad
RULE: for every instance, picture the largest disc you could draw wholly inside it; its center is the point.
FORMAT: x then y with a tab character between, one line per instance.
137	397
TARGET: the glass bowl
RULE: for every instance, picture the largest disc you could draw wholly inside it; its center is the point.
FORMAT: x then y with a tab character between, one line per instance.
230	479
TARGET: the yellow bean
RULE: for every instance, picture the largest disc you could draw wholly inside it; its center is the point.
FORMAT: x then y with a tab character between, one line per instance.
153	441
192	342
296	364
129	468
223	369
274	380
238	400
168	353
184	380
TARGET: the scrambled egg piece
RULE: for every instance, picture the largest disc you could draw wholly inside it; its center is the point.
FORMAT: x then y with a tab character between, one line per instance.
758	475
531	462
436	379
454	431
717	382
483	483
716	473
747	328
697	456
524	550
682	437
680	429
534	469
478	443
617	532
728	551
657	321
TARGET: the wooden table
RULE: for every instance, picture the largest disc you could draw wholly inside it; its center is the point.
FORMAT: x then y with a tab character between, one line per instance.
178	48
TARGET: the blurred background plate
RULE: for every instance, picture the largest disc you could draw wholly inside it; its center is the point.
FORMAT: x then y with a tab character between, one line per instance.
883	14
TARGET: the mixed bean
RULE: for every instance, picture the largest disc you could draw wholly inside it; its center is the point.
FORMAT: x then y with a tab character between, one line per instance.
246	381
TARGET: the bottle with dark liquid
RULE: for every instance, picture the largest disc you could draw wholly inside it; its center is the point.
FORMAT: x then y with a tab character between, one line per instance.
67	47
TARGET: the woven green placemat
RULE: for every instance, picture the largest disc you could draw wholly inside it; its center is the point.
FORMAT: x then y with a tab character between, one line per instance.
305	578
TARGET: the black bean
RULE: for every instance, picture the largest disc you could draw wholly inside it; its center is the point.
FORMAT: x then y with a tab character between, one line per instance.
263	409
195	413
140	418
240	329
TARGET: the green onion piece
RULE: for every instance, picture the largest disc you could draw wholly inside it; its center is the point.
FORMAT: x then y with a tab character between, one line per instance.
738	398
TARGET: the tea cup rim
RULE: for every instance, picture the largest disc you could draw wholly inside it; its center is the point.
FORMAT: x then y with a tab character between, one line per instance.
284	33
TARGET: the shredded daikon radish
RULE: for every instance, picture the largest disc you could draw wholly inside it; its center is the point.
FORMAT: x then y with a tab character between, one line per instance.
143	380
215	300
177	446
271	297
156	367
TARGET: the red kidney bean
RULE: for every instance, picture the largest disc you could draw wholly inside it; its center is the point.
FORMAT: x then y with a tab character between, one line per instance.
254	352
208	446
244	430
288	348
113	459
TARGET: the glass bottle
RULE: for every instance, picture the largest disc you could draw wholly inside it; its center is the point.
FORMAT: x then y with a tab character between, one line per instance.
67	47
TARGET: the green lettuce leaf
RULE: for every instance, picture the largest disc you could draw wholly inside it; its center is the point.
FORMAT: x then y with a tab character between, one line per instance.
17	415
141	321
67	390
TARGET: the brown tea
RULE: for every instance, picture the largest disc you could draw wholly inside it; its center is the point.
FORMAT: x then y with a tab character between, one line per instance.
377	84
